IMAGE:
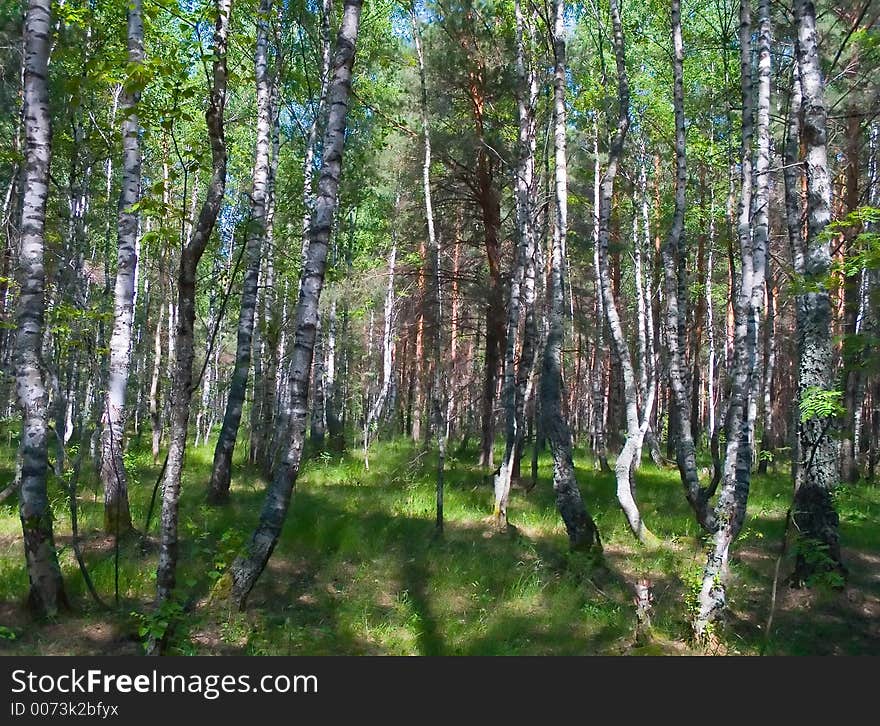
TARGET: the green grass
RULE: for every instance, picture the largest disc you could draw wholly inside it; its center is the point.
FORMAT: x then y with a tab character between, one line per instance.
359	569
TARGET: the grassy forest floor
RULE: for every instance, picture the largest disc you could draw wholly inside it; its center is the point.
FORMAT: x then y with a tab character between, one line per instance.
359	569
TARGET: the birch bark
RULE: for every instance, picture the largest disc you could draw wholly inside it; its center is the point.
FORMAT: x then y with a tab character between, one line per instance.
582	531
221	472
814	514
47	594
181	384
248	566
117	517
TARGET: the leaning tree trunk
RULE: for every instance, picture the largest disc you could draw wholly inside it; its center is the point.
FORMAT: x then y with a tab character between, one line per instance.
221	473
582	531
181	384
753	233
117	516
522	284
250	564
675	272
814	515
635	430
47	594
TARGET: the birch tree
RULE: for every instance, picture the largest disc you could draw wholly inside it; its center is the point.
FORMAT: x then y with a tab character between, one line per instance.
250	564
181	383
522	285
117	517
636	425
582	531
816	477
47	593
221	472
753	233
674	254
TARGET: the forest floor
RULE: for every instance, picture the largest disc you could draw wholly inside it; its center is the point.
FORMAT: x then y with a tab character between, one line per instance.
359	569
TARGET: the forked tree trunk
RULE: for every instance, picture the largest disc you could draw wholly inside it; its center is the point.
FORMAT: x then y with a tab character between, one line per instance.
248	566
117	517
221	472
522	285
753	233
582	531
181	384
635	430
47	594
814	514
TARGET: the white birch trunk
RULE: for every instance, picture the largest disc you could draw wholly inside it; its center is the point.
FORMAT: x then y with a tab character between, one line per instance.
250	564
117	517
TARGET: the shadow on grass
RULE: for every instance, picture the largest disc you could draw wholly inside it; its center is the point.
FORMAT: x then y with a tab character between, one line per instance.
358	569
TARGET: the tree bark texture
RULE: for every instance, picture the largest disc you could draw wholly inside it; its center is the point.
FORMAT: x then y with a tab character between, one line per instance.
221	471
248	566
47	594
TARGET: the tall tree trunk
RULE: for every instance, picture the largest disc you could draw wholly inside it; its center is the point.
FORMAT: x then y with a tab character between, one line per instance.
597	384
265	413
635	427
181	384
47	594
435	304
712	369
318	418
417	371
522	285
814	515
675	272
753	233
582	531
155	411
494	334
117	517
489	203
221	473
696	342
251	563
